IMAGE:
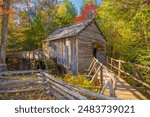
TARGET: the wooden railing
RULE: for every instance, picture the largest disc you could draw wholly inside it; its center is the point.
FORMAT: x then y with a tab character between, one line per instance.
130	72
96	71
62	90
39	54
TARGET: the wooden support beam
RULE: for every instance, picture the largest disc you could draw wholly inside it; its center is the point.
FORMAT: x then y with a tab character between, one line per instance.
93	61
94	76
92	67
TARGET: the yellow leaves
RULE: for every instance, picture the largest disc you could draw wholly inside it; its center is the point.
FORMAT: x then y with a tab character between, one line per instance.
6	94
61	10
123	29
32	95
79	81
17	94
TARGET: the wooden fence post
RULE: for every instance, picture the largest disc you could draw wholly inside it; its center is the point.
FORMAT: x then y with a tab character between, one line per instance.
107	62
111	89
134	70
101	77
119	68
134	74
111	63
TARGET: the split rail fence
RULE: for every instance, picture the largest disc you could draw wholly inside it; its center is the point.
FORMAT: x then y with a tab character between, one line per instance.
25	80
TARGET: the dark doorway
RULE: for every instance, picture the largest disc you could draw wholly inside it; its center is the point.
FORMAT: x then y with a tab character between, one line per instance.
95	52
41	65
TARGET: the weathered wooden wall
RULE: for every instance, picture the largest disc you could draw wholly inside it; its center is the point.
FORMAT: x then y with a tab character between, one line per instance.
86	39
65	50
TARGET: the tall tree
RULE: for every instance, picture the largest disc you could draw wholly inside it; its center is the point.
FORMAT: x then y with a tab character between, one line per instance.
4	30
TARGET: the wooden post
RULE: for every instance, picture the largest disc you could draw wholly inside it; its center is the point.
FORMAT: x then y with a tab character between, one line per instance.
134	74
134	70
119	68
111	89
107	62
21	64
111	61
101	77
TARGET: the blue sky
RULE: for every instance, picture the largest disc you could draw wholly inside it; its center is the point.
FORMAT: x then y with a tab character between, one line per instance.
77	3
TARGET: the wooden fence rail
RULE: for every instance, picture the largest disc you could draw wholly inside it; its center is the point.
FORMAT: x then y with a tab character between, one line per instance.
117	66
63	90
105	77
42	80
23	82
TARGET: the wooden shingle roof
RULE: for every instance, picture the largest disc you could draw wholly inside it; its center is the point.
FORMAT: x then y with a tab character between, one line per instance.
68	31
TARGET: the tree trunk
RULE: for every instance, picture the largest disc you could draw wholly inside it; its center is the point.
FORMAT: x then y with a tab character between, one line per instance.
4	30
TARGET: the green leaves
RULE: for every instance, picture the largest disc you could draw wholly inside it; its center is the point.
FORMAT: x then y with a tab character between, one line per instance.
28	35
34	35
64	15
126	26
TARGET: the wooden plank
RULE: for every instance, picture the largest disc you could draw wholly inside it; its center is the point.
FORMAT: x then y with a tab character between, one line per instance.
77	53
15	77
96	73
91	64
56	94
93	29
21	85
10	77
105	87
92	68
61	92
16	91
22	72
66	90
21	81
92	36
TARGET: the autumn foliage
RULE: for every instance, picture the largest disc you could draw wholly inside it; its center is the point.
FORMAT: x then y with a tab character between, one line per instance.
88	12
3	11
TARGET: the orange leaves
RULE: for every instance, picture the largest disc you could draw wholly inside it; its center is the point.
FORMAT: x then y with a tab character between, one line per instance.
7	11
88	12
